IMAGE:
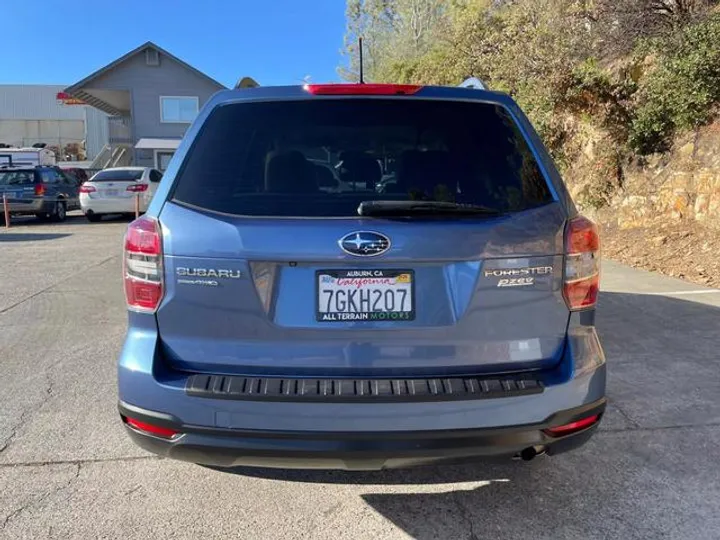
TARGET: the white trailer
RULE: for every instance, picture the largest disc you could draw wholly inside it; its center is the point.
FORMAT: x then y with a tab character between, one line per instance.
26	157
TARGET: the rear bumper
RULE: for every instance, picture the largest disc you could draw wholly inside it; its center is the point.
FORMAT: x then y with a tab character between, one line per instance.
353	450
380	432
33	206
110	206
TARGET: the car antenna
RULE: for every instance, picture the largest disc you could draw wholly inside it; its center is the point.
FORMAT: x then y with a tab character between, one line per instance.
362	81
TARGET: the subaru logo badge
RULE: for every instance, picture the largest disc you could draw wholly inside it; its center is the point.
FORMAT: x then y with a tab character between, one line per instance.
364	243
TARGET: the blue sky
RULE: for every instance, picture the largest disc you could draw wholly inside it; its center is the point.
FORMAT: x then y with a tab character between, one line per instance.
273	41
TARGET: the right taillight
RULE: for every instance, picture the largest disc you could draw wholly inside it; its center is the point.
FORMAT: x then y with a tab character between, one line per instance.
142	265
582	263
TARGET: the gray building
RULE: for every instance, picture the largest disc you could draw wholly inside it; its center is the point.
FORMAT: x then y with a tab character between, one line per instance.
31	113
151	97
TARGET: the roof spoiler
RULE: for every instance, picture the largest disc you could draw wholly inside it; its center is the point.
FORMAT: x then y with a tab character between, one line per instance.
473	82
246	82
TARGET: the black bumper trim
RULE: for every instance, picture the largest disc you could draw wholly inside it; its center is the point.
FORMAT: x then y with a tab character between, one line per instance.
359	390
353	450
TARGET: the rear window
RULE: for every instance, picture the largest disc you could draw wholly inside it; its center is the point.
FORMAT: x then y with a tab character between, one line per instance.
17	178
118	175
323	158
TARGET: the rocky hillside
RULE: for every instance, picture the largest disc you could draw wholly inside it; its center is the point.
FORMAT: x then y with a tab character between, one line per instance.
664	212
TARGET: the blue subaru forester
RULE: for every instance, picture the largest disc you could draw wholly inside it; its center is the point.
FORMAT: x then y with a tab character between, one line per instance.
360	276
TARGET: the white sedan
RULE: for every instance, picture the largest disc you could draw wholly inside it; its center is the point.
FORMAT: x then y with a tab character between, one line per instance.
113	191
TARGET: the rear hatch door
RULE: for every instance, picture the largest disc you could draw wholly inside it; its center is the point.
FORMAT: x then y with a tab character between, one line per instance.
113	184
452	267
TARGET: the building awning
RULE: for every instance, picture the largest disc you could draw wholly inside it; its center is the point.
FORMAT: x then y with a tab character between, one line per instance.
157	144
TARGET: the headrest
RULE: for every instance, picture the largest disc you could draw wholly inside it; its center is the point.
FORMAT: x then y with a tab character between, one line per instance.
289	172
423	171
359	168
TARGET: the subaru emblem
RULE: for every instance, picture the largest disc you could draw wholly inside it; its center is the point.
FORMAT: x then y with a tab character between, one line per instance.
364	243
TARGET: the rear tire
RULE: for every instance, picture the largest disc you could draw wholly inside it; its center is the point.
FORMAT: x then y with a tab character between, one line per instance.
93	218
59	213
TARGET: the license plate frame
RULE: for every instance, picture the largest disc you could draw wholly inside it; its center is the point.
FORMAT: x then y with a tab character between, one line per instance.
366	278
111	193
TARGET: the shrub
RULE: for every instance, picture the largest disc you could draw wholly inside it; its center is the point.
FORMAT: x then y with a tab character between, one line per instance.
682	90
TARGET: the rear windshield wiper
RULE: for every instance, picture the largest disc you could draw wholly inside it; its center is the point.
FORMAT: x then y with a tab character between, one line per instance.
428	208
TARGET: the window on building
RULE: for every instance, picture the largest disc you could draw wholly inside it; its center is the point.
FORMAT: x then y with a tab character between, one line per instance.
181	110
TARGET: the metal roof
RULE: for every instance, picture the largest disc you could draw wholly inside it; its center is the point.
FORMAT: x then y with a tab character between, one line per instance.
149	143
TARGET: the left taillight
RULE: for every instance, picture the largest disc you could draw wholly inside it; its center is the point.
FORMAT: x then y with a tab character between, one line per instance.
582	264
142	265
85	188
39	190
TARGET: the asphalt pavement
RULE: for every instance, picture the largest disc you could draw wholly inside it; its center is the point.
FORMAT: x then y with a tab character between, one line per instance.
67	469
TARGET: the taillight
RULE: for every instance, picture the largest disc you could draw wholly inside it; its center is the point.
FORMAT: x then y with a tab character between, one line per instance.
87	189
151	429
137	188
39	190
573	427
142	265
582	264
362	89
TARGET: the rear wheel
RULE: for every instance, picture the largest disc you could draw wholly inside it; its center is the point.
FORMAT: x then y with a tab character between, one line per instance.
59	213
93	218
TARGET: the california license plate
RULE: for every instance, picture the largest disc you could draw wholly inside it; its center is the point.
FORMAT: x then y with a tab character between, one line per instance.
365	295
111	192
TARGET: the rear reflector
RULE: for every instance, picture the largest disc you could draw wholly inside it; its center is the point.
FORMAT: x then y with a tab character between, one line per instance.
87	189
362	89
572	427
158	431
142	265
582	264
137	188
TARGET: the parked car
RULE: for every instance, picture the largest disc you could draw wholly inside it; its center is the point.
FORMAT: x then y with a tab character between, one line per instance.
80	175
46	192
272	323
113	191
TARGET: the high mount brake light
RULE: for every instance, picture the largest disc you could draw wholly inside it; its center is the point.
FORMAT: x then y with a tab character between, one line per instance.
142	265
362	89
582	264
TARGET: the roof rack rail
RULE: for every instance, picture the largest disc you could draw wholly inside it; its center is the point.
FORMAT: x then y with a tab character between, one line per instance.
473	82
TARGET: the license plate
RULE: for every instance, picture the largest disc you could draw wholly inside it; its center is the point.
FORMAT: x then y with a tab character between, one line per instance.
111	192
365	295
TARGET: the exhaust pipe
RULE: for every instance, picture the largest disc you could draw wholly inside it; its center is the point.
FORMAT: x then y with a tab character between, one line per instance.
530	453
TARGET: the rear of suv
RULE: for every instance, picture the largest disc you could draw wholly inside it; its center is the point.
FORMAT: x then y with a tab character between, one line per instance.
46	192
435	303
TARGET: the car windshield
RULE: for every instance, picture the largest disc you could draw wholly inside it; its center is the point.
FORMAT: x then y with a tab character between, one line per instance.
118	175
323	158
17	178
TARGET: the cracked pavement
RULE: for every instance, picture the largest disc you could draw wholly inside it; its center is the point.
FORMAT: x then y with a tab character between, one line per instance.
67	470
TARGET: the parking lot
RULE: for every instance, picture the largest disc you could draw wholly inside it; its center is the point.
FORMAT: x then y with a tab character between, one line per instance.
67	469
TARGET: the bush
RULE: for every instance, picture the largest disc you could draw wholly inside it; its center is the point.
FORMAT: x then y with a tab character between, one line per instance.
682	90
